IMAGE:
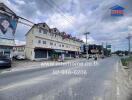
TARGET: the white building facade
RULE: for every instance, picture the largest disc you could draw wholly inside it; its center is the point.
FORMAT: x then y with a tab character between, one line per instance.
45	43
19	50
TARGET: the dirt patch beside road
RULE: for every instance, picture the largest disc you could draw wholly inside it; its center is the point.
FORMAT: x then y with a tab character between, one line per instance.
126	76
28	63
129	73
25	63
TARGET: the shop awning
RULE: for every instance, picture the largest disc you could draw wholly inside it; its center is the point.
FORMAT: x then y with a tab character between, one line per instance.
59	51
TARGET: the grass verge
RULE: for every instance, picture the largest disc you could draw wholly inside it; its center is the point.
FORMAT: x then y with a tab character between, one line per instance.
125	61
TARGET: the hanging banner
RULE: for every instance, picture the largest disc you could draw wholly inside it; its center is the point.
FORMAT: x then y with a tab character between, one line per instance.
8	26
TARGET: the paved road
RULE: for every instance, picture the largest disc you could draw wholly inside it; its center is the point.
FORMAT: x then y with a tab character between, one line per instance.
83	80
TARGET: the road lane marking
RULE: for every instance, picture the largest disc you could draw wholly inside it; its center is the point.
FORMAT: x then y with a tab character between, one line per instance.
97	98
117	91
26	82
117	69
57	92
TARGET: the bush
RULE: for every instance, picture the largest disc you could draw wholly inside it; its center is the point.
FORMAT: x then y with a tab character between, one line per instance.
125	61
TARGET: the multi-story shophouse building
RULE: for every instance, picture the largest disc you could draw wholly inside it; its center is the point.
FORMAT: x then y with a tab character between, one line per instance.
42	42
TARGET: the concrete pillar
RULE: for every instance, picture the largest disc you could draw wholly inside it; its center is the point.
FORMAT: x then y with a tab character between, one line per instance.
70	56
33	54
47	54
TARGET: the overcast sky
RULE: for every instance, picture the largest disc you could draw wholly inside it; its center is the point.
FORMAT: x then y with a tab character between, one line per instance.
77	17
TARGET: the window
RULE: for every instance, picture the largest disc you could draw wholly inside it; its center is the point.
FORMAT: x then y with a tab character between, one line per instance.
45	31
43	25
44	42
1	53
40	30
51	43
62	45
55	44
50	34
39	41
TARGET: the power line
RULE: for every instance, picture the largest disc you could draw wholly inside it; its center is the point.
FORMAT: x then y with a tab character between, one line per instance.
57	10
27	20
60	12
25	23
19	17
50	5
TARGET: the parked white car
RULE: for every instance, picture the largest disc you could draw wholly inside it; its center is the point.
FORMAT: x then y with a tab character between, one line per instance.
20	57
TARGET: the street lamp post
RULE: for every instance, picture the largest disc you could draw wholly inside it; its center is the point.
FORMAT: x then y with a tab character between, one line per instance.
87	33
129	44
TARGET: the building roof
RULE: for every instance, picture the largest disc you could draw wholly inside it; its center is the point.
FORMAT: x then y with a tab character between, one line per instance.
117	7
30	29
60	33
43	24
54	30
4	8
37	25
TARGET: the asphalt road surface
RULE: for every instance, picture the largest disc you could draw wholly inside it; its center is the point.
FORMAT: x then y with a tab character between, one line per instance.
83	80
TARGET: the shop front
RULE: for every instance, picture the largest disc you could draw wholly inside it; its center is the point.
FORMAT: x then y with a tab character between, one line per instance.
57	54
42	53
6	50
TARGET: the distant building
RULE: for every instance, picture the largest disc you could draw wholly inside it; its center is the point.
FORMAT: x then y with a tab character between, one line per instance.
93	50
19	50
42	42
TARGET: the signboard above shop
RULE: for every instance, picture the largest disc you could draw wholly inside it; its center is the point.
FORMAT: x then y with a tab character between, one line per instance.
94	50
7	42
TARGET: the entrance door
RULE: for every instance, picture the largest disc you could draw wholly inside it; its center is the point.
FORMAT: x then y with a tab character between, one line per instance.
40	53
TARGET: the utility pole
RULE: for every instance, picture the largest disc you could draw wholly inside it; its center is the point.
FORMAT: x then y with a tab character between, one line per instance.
87	33
106	45
129	44
102	48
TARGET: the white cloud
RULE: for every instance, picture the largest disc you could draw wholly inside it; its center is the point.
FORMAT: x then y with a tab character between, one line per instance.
11	6
18	42
90	40
20	2
61	22
89	15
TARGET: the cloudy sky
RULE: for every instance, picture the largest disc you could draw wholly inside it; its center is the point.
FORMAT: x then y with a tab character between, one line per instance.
77	17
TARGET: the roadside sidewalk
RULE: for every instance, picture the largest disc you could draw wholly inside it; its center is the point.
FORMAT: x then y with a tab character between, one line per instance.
26	64
129	80
125	82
